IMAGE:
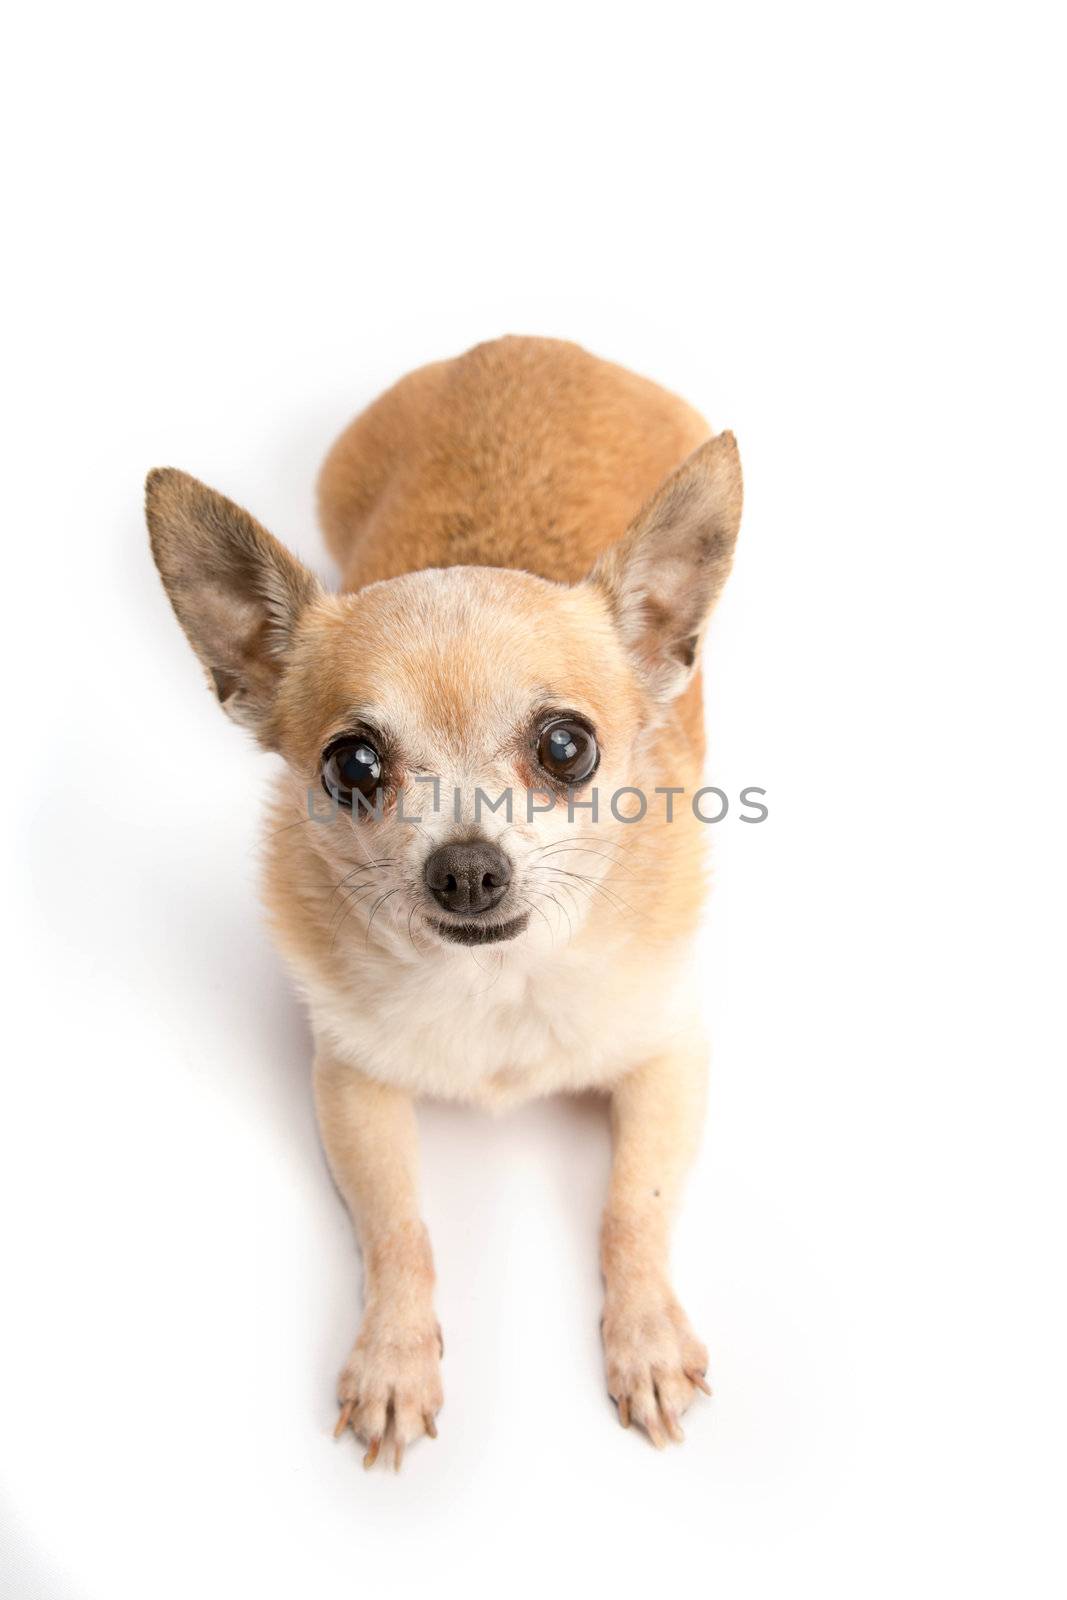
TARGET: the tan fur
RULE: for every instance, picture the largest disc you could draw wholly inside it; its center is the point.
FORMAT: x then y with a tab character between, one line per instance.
526	453
508	541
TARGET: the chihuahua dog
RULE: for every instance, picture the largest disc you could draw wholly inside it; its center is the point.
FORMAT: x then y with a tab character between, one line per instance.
483	866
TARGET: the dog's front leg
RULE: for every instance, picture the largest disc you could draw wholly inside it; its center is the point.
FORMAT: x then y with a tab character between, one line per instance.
654	1360
391	1385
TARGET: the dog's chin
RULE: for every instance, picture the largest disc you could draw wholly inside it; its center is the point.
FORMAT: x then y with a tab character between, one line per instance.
478	933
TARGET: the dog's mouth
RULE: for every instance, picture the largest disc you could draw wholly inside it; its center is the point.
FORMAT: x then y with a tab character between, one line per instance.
481	933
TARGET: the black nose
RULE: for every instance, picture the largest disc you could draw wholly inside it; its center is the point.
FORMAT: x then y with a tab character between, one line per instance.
468	877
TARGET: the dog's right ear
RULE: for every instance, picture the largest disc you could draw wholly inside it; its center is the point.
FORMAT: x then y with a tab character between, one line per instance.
235	590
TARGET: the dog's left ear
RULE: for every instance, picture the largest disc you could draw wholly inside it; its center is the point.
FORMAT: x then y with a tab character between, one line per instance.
666	572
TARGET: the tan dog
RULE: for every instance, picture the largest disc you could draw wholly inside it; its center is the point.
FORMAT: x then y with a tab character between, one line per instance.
531	541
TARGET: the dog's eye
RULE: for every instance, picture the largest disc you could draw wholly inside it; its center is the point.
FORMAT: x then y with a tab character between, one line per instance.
352	768
567	749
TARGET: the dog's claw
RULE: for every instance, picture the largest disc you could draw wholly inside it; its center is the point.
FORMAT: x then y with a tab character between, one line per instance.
390	1389
655	1364
345	1418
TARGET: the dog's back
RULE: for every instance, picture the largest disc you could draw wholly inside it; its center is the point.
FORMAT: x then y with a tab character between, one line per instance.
524	452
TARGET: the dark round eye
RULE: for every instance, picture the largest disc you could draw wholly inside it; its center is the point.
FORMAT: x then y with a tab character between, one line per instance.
567	749
352	768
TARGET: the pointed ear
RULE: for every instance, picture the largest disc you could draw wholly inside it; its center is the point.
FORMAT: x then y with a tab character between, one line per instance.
666	572
236	592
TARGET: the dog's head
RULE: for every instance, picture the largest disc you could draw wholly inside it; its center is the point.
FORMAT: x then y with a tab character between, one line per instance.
455	734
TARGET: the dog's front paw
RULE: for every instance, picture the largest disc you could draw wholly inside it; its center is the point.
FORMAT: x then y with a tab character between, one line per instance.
390	1389
655	1362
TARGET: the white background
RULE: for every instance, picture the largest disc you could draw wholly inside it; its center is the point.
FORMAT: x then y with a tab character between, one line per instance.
835	229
